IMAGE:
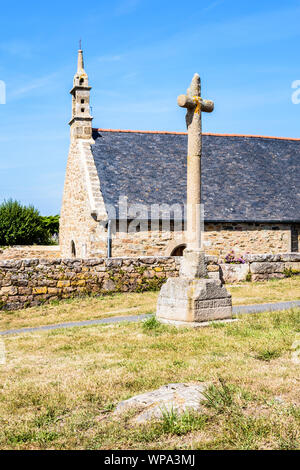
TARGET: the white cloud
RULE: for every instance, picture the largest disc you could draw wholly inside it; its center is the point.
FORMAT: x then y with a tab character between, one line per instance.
34	84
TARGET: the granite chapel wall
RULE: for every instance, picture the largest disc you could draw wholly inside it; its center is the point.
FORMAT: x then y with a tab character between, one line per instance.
219	240
80	234
90	238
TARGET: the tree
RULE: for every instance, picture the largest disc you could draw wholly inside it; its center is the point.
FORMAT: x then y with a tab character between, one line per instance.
51	223
23	225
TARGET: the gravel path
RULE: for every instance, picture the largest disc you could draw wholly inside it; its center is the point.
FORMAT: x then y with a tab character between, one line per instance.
237	310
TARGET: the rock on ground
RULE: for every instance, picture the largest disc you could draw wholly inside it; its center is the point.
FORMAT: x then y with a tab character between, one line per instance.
179	397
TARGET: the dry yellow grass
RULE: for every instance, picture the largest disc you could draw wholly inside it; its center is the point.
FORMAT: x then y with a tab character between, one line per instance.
87	308
275	290
90	308
58	388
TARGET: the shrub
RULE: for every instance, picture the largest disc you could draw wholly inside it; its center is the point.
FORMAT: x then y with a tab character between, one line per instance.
151	324
51	224
23	225
289	272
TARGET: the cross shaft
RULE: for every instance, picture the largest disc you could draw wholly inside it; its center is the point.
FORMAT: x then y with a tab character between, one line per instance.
194	104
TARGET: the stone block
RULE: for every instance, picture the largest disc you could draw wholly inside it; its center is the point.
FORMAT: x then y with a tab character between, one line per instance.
262	257
181	398
213	268
24	290
53	290
10	290
266	268
63	284
234	272
193	300
39	290
193	265
292	257
108	286
79	283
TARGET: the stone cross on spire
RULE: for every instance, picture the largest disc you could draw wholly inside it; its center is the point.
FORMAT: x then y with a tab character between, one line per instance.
195	105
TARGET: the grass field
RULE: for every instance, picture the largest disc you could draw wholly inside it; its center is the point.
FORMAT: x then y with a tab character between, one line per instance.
58	389
133	304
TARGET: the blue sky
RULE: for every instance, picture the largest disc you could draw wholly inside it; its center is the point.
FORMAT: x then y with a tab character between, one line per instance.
139	54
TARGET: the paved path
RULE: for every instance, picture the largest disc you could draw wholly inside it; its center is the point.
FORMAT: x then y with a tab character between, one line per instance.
238	310
257	308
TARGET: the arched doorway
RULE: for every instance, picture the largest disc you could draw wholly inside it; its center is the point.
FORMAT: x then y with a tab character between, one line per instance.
178	251
73	249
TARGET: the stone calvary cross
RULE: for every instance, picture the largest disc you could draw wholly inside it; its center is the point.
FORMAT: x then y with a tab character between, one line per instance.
195	105
193	297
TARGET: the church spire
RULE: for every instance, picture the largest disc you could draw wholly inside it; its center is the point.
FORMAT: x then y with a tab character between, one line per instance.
81	122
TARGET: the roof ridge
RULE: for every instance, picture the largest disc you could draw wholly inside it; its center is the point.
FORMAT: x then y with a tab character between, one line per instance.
204	133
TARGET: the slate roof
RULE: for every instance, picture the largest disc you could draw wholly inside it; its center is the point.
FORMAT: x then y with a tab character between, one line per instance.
243	178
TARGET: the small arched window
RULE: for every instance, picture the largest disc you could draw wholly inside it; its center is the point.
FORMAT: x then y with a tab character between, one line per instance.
73	249
81	81
178	251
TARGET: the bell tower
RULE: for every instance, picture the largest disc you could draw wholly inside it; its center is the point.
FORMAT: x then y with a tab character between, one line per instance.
81	122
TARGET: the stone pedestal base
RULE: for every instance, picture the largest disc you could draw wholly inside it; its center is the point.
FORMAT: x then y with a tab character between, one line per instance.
193	301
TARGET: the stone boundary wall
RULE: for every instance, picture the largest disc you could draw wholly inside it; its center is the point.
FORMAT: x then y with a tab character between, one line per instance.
261	267
30	282
30	251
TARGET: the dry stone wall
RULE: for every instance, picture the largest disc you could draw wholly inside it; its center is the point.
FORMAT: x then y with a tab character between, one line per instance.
27	283
262	267
30	282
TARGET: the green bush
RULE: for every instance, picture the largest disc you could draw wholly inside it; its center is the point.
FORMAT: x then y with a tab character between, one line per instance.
51	223
23	225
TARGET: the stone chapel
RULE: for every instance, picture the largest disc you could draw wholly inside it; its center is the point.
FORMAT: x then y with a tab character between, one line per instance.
120	184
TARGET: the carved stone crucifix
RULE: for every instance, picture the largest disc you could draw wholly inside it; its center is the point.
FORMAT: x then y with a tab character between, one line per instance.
195	105
193	297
